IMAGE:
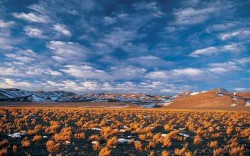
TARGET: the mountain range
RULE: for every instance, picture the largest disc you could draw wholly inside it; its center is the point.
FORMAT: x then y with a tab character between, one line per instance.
213	98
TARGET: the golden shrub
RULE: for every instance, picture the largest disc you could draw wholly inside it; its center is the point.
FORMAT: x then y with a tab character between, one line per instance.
138	146
4	143
52	146
197	140
14	148
213	144
80	135
165	153
96	146
112	142
26	144
218	152
37	138
105	152
3	152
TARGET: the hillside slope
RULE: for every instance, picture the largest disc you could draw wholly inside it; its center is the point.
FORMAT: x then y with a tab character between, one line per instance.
212	98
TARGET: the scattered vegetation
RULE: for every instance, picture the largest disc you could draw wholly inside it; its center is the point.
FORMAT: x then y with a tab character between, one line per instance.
104	132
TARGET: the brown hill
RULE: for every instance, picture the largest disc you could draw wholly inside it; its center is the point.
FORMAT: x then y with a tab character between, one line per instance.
213	98
245	95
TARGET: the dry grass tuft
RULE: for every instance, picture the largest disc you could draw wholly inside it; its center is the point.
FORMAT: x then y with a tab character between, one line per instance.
138	146
37	138
26	144
105	152
52	146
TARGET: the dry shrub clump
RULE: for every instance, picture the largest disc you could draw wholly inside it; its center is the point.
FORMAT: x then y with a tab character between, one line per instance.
197	140
64	135
112	142
167	142
37	138
3	152
235	151
52	146
152	153
80	135
94	137
105	152
138	146
4	143
181	151
96	146
26	144
213	144
53	128
165	153
218	152
14	148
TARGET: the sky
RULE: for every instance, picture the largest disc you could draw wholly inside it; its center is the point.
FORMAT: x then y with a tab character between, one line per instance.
125	46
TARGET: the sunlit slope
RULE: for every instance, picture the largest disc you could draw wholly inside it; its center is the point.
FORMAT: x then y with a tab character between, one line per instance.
213	98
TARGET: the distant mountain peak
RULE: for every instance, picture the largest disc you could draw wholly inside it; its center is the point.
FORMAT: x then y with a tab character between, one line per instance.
221	90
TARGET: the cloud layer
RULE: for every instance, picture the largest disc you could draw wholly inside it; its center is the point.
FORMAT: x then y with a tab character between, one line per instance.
156	47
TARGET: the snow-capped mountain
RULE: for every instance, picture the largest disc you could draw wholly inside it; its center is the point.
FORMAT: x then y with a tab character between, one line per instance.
213	98
62	96
19	95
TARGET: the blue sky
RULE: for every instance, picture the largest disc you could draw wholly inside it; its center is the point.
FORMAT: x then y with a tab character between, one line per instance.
155	47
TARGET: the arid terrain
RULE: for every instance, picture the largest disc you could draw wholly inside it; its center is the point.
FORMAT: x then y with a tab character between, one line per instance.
214	122
122	131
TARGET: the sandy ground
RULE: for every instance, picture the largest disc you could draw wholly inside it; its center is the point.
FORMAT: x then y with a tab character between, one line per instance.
67	104
115	105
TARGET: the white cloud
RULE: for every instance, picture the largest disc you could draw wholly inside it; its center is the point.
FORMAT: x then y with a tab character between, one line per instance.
9	71
243	61
62	29
115	73
91	85
222	26
109	20
26	71
53	72
232	48
39	8
149	61
7	41
85	72
158	75
154	87
10	83
239	33
225	67
33	32
67	51
241	89
188	72
176	74
6	24
27	63
119	37
152	7
32	17
189	16
23	56
126	73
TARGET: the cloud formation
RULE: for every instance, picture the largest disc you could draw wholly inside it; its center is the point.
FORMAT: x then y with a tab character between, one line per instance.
148	47
231	48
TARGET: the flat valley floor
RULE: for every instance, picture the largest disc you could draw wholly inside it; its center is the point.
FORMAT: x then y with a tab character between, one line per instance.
121	129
